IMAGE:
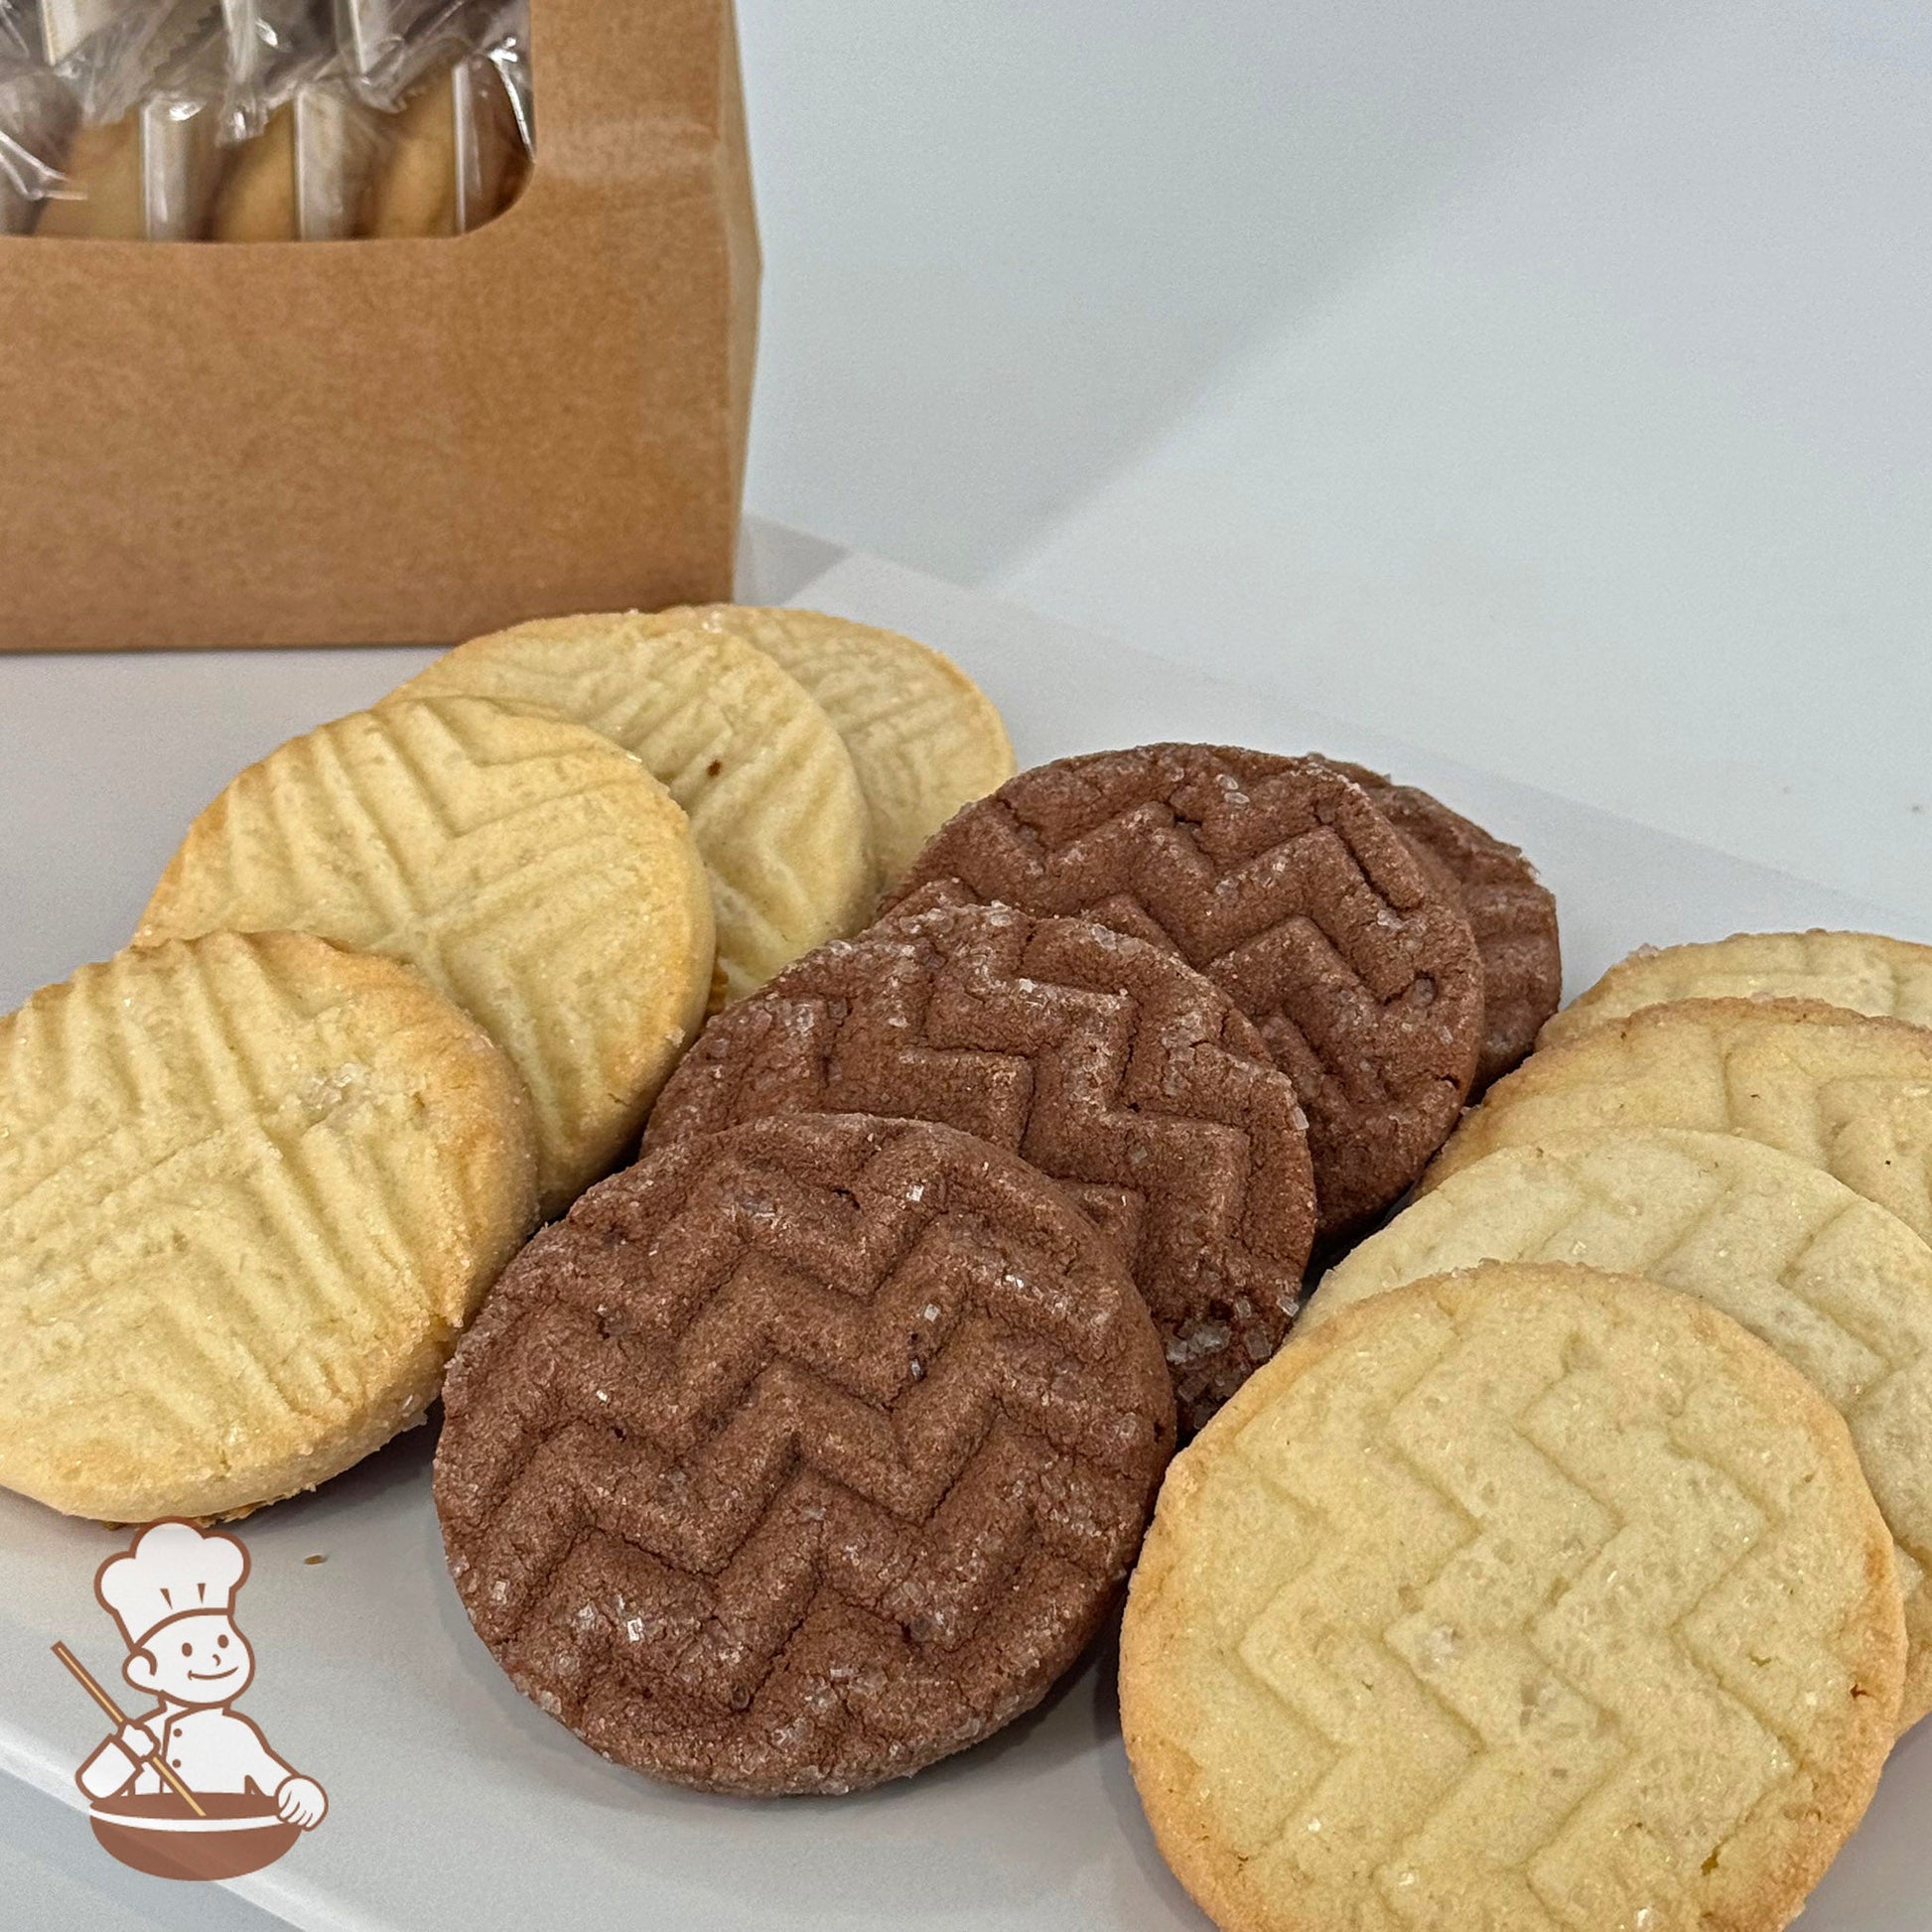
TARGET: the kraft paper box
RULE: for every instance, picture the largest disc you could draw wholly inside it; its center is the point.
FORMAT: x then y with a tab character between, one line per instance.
405	441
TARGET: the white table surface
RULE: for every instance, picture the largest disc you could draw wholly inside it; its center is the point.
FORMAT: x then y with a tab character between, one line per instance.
457	1805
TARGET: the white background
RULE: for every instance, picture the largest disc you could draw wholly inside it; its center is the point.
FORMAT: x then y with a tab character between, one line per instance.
1546	384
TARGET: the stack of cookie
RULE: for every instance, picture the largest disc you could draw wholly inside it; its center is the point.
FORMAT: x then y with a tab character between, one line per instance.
1570	1564
816	1446
410	984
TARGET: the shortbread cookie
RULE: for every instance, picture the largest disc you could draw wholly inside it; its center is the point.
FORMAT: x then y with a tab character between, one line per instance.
1850	1094
1887	978
257	200
455	157
1279	880
250	1190
1111	1065
1525	1598
803	1454
102	198
1512	913
925	737
1841	1289
531	870
38	116
773	801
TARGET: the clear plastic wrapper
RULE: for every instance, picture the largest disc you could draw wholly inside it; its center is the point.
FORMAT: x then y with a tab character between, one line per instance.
507	48
389	46
261	120
306	175
112	53
275	47
310	143
460	143
37	114
146	160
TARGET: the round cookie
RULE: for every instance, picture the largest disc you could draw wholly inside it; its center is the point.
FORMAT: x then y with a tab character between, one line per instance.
1841	1289
1864	971
250	1190
1849	1095
803	1454
533	871
924	738
1279	880
1512	913
768	787
1526	1597
1109	1064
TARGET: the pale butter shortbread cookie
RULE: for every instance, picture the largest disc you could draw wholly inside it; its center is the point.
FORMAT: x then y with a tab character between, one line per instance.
533	871
773	801
1865	971
251	1189
925	737
1532	1598
1841	1289
1846	1093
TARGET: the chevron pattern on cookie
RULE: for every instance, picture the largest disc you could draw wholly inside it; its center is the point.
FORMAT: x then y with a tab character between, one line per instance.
924	738
1279	880
251	1189
1106	1062
1841	1289
771	793
535	873
1530	1598
1511	912
802	1455
1865	971
1848	1093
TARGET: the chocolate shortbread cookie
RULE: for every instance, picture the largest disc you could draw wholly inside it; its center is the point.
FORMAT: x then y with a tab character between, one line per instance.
802	1455
1110	1064
1279	880
1512	913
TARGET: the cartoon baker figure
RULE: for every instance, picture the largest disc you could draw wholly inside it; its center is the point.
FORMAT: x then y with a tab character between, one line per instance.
173	1595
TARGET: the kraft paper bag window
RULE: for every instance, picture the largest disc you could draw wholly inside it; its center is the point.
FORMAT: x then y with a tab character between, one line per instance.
261	120
410	437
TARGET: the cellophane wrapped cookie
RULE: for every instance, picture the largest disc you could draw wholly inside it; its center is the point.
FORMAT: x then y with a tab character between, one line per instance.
36	118
261	120
457	99
145	162
308	142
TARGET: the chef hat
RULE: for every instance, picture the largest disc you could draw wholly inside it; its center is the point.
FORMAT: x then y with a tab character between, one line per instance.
172	1570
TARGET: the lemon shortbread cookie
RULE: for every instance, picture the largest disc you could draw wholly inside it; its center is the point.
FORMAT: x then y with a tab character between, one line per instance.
1530	1597
533	871
250	1190
1841	1289
773	801
1850	1094
1865	971
926	739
